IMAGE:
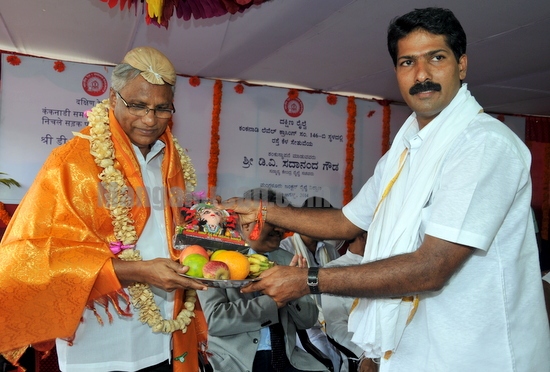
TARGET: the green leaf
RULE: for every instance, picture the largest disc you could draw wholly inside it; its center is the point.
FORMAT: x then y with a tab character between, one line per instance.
9	181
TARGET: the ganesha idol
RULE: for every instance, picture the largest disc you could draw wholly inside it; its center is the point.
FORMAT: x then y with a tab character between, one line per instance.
209	226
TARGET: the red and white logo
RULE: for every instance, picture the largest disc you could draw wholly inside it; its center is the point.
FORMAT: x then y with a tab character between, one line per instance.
94	84
294	107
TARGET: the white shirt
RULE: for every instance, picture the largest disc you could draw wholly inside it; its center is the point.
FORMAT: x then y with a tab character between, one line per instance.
316	334
336	310
490	316
126	344
315	259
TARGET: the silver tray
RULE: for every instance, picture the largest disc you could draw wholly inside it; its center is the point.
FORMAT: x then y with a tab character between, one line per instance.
223	283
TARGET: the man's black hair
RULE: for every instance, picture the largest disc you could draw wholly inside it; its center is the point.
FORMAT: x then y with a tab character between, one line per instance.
437	21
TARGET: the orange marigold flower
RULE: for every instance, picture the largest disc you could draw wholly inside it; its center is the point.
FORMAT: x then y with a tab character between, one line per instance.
292	93
332	99
59	66
14	60
239	89
194	81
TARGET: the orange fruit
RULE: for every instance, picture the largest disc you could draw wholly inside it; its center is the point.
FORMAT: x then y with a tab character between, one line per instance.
239	267
193	249
195	261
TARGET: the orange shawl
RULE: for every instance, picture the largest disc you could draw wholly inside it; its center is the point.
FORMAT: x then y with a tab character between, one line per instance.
55	256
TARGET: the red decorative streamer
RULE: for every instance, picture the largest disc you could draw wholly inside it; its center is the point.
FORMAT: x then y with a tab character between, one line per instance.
385	125
215	140
350	150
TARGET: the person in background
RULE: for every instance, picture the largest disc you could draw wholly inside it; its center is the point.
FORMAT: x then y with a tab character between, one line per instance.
450	279
546	286
336	309
241	326
91	235
317	253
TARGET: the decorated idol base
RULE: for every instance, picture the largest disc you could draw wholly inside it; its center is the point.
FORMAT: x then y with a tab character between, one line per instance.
207	225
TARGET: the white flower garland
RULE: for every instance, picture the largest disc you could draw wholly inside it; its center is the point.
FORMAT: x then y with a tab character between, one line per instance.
119	202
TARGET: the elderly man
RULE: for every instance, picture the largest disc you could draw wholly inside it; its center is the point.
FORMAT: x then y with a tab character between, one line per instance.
88	233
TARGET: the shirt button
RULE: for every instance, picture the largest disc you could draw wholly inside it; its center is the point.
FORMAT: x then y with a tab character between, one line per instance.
255	341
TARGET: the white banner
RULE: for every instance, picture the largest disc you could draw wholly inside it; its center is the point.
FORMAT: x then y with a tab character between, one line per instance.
293	145
40	108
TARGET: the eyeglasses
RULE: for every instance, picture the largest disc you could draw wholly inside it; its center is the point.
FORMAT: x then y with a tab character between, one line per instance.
139	110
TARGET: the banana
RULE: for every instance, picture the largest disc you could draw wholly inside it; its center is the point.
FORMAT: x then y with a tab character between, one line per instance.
258	264
268	264
255	269
259	257
254	261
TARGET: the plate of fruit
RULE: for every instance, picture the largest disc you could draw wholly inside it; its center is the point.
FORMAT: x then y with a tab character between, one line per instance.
223	268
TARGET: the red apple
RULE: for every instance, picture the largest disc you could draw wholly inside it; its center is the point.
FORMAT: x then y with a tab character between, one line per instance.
215	270
193	249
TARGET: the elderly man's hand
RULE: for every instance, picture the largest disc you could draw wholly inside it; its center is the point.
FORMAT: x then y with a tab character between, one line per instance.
162	273
282	283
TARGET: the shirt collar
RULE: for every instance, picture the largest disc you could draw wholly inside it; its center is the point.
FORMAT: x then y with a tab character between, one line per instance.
156	149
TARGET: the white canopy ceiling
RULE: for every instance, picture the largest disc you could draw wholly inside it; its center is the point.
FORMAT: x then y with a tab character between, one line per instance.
328	45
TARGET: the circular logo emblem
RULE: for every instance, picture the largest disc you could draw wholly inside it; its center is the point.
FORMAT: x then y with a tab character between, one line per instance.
94	84
294	107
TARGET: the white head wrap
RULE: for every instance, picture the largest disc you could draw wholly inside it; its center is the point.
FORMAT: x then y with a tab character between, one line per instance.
155	67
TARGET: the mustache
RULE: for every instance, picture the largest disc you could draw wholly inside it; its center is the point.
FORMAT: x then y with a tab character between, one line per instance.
424	87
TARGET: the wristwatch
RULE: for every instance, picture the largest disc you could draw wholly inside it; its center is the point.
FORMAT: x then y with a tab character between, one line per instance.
313	280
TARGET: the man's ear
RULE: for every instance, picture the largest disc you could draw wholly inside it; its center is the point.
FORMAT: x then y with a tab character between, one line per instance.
112	98
463	66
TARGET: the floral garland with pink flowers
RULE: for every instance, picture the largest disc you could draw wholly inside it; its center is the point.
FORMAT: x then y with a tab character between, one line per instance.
102	149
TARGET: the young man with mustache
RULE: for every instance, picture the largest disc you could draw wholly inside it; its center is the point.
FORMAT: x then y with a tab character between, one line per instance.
450	278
